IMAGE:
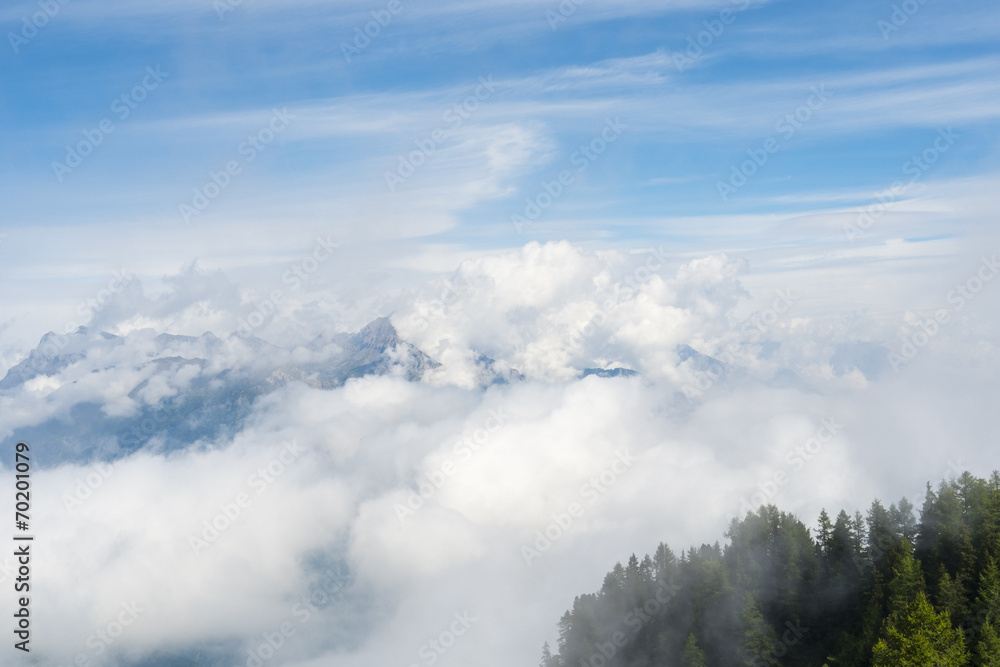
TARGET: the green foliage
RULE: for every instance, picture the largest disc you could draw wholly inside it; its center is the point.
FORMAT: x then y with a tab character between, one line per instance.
869	590
988	599
903	520
917	636
952	595
759	638
907	581
692	656
988	648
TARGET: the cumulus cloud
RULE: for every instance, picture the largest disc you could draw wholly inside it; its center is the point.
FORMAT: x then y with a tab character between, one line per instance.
468	505
549	310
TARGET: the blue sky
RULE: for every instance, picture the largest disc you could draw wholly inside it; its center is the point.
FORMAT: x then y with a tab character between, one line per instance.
886	96
168	166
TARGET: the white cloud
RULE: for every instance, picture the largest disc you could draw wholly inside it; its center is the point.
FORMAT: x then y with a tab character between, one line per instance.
494	466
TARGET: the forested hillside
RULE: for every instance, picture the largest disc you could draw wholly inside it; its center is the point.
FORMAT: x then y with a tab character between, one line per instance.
885	589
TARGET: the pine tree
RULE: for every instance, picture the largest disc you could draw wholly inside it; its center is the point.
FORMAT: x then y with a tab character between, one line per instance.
840	553
953	540
759	638
904	523
988	598
693	656
665	567
632	569
882	536
858	536
899	613
988	647
930	527
874	613
952	596
547	659
919	637
824	534
907	581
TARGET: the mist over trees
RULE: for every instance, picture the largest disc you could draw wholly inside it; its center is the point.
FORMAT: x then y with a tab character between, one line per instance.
884	589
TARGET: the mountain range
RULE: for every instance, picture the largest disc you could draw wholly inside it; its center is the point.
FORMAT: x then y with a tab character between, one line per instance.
96	395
